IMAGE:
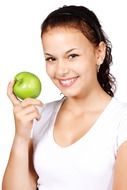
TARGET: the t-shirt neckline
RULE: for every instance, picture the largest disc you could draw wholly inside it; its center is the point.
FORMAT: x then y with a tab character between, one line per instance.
86	135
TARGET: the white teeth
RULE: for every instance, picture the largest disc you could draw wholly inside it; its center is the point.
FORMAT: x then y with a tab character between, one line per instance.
68	82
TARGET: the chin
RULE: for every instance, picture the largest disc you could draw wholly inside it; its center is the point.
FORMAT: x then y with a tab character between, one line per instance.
74	94
70	94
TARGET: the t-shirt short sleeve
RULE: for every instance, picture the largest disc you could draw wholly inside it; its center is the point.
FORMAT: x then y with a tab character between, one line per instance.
122	130
41	126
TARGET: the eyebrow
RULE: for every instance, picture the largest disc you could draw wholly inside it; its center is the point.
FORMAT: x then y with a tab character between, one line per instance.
65	52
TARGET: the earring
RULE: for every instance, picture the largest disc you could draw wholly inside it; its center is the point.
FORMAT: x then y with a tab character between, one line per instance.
98	67
99	64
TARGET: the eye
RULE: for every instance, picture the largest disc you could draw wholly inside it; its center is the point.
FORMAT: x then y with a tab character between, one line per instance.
72	56
50	59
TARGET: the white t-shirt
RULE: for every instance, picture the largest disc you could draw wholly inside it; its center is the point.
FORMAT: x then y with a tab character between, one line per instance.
88	164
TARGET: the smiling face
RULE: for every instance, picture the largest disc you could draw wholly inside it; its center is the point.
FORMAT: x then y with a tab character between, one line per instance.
71	61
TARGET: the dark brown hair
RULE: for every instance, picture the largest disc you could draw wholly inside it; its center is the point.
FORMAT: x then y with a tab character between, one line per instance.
86	21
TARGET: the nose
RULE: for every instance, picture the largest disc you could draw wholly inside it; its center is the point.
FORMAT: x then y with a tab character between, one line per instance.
62	68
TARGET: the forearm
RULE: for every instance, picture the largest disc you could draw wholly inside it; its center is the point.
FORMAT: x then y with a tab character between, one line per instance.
20	173
17	175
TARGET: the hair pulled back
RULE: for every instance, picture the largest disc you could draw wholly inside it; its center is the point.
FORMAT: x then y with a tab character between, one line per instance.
86	21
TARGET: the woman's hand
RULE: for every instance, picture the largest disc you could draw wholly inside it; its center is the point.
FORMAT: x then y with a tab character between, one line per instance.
24	113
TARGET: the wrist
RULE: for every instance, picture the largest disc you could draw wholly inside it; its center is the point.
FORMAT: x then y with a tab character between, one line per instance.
21	139
20	147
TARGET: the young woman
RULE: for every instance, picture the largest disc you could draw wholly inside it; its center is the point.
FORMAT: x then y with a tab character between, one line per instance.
80	141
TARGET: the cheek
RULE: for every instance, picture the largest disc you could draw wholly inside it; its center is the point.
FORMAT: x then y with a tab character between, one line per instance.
82	67
86	70
50	71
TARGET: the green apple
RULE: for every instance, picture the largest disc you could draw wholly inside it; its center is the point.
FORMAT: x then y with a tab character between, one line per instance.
27	85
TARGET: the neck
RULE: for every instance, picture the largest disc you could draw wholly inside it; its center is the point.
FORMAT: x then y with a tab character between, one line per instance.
94	101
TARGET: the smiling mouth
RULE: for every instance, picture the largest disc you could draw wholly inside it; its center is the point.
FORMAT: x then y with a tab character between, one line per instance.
67	82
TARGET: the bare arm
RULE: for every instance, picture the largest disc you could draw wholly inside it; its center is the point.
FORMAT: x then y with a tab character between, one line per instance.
19	173
120	176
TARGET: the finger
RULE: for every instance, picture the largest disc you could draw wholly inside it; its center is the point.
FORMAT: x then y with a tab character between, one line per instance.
11	95
27	110
33	115
28	114
31	101
21	112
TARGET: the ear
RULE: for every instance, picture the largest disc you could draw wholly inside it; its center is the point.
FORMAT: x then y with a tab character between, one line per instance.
100	53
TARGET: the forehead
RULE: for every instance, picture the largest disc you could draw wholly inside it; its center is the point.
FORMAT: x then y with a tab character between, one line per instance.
64	35
60	29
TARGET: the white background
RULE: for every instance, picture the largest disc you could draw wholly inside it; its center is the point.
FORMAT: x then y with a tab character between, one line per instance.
20	49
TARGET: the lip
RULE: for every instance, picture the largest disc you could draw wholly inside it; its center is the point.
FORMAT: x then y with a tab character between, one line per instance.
68	82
